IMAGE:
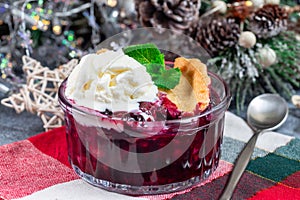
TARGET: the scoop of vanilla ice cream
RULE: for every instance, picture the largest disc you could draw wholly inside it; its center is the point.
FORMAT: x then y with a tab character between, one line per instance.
110	80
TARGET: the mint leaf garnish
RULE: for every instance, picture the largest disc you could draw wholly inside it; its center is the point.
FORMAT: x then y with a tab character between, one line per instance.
168	79
145	53
154	69
151	57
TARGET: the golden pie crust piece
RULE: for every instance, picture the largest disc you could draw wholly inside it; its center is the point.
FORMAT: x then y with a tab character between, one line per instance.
193	85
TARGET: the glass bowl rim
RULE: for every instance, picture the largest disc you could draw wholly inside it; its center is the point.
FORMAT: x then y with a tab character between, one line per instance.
65	102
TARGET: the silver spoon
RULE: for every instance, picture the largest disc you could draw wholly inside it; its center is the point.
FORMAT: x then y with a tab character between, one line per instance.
265	112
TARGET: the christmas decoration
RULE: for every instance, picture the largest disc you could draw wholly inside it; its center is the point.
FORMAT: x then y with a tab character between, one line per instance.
178	15
218	34
296	100
39	95
268	21
266	56
28	29
50	33
258	52
274	2
240	9
258	3
247	39
220	6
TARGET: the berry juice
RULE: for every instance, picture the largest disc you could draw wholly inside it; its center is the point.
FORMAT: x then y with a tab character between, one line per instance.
140	157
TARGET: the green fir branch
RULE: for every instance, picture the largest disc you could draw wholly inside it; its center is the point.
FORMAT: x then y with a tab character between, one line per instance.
247	78
282	87
245	94
269	85
287	49
237	97
287	74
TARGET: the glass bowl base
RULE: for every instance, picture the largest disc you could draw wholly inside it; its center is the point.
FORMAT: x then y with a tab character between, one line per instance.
142	190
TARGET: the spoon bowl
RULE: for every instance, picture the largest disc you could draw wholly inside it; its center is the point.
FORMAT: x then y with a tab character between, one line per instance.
265	112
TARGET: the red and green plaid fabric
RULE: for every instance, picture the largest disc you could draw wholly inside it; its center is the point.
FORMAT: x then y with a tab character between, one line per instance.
38	168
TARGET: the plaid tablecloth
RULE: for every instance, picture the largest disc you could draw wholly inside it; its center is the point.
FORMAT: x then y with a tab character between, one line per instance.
38	168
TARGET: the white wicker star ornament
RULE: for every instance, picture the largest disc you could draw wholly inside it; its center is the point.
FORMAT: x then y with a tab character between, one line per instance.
40	94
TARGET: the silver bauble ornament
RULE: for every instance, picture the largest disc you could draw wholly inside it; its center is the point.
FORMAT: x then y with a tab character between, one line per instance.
258	3
220	5
274	2
247	39
266	56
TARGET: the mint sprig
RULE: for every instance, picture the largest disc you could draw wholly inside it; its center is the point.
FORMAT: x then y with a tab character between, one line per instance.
145	54
151	57
168	79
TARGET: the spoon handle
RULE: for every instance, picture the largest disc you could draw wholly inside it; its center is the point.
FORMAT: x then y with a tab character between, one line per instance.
239	168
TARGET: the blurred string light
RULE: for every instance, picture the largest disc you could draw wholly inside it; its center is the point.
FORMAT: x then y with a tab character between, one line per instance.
24	18
69	38
6	71
112	3
40	28
40	15
5	61
56	26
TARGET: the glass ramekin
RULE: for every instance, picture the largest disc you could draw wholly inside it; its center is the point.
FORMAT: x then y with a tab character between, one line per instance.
138	158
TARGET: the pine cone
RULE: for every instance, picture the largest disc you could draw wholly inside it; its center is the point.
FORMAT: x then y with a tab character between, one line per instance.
268	21
178	15
218	34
